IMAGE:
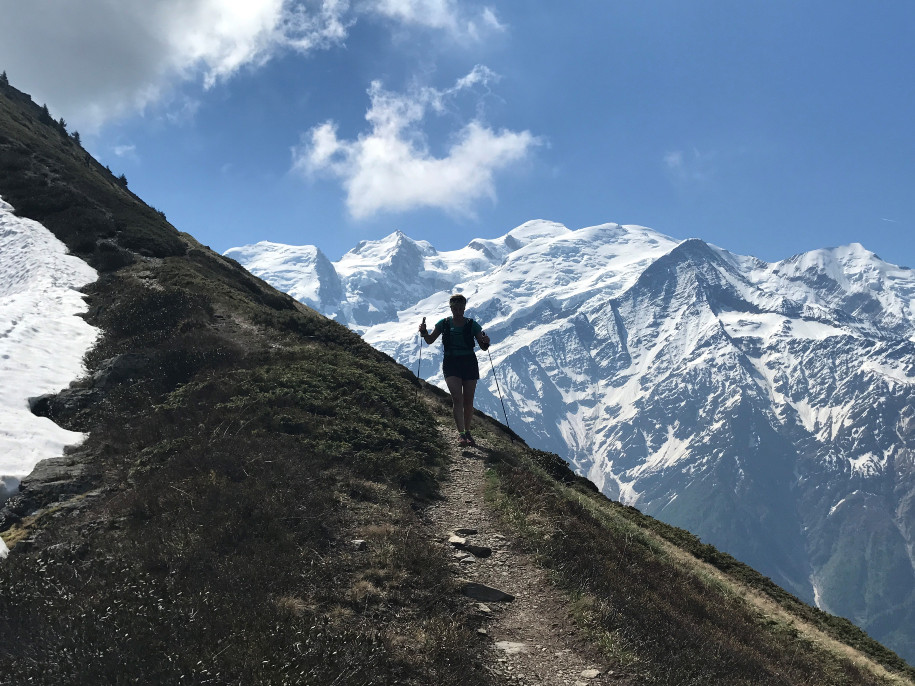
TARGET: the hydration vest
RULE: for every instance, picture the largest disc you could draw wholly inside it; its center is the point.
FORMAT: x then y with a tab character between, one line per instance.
469	340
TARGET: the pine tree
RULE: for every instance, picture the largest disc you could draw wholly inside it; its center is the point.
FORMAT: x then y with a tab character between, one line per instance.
62	124
3	80
76	138
122	180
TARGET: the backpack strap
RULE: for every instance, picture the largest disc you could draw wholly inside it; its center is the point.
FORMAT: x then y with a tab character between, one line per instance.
468	334
446	336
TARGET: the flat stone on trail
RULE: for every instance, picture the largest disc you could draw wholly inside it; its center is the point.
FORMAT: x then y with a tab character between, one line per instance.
457	540
590	674
465	532
485	594
511	647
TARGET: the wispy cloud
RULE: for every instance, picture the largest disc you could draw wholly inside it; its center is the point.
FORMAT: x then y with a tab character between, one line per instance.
447	15
390	167
126	151
690	165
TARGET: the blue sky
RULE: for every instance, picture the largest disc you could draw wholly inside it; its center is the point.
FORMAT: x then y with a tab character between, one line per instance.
765	128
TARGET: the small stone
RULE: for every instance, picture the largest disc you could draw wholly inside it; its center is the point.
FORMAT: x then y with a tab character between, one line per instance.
590	674
482	632
484	609
359	544
478	550
457	540
469	560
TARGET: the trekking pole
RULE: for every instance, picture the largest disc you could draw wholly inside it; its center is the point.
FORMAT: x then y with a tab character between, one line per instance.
420	361
496	377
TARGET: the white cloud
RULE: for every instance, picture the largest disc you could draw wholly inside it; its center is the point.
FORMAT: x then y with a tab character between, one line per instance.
390	168
444	15
96	60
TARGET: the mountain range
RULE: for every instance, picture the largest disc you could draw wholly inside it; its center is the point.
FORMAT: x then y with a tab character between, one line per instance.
769	408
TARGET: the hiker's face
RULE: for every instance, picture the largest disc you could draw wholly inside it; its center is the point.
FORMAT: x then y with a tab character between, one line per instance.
457	308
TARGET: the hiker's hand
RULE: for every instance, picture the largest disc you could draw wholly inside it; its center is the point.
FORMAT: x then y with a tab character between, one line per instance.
484	341
422	328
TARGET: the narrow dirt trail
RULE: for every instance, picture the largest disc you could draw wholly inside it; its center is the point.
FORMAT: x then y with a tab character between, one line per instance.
531	639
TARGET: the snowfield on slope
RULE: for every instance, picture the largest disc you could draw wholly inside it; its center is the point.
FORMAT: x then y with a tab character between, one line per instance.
42	340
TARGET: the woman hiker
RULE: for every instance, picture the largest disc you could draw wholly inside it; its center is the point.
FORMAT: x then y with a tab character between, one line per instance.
460	363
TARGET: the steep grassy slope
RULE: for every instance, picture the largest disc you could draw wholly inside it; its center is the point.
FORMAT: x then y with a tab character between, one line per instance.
239	443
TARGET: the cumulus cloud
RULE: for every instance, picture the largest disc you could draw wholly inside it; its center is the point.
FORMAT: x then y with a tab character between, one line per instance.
390	167
98	59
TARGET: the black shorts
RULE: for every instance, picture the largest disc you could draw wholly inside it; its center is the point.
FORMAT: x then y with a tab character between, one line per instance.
464	367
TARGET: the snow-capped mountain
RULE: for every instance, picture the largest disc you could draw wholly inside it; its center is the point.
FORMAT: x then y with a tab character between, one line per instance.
768	408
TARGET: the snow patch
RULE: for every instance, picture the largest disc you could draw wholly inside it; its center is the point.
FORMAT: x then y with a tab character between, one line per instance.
42	340
628	494
816	592
867	464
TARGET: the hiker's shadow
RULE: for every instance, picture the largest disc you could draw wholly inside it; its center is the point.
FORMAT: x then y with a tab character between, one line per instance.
479	452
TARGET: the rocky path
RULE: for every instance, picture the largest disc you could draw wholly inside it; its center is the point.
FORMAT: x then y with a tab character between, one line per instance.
531	637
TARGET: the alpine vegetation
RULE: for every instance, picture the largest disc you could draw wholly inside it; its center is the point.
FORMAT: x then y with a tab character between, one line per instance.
768	408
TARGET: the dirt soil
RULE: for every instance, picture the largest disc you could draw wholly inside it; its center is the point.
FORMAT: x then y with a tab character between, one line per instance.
531	639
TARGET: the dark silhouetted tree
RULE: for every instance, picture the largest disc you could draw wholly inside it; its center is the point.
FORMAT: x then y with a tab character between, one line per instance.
76	138
122	180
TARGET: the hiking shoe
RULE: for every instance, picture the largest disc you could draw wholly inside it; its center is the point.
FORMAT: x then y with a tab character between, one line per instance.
469	439
462	440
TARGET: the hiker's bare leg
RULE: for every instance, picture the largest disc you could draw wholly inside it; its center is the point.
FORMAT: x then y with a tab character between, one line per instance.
470	387
456	387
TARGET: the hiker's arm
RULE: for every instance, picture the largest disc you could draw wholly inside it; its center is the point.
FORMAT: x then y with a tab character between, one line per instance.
429	338
483	340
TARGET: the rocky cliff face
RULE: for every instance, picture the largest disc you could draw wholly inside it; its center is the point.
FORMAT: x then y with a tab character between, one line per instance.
768	408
